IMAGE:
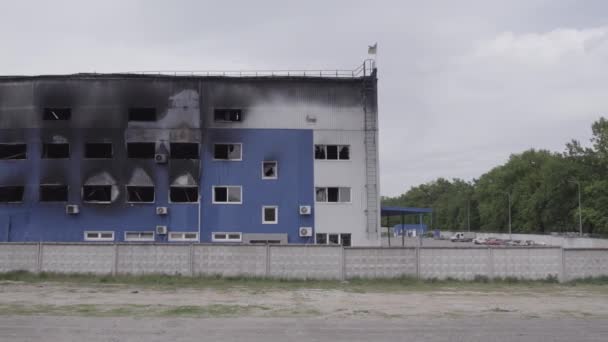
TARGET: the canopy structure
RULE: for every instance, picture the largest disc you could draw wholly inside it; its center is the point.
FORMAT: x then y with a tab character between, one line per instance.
402	212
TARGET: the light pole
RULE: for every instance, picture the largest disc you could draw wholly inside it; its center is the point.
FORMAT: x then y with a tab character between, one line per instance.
509	198
469	214
580	209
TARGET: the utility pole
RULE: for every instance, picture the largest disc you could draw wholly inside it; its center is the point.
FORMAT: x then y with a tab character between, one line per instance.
509	198
469	214
580	209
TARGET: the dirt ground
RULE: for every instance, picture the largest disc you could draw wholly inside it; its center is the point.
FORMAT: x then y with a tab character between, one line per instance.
518	301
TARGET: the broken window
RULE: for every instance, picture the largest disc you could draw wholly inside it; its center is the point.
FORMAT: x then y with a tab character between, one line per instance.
142	114
56	151
321	239
97	193
333	194
57	114
332	152
345	238
227	194
334	239
98	150
270	170
53	193
141	150
13	151
183	194
140	194
270	214
139	236
227	115
184	151
227	152
11	194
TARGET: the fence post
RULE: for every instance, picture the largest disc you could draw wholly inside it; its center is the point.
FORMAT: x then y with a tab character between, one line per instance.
191	256
562	269
267	261
39	258
491	262
115	268
417	262
342	264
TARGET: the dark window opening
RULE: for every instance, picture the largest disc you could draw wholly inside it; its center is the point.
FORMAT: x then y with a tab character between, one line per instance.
57	114
319	151
345	240
228	115
334	239
344	152
11	194
256	242
269	169
98	150
227	151
184	151
141	150
13	151
332	194
143	194
182	194
142	114
55	151
332	152
220	194
53	193
321	239
270	215
97	193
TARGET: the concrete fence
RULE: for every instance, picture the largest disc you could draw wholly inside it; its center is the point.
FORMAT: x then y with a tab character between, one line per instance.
306	262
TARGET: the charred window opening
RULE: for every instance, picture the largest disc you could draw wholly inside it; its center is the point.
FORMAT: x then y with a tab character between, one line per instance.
332	152
345	238
98	151
227	152
183	194
184	151
13	151
333	194
141	150
140	194
53	193
142	114
228	115
56	151
57	114
11	194
97	193
270	170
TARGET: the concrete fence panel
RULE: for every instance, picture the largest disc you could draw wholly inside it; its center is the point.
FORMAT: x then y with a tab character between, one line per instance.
527	263
162	259
68	258
457	263
586	263
306	262
18	257
229	260
380	262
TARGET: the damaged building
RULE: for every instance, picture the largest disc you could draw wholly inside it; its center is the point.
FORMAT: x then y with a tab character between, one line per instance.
262	158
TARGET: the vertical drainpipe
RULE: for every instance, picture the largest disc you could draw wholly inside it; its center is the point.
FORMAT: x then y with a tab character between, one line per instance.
200	160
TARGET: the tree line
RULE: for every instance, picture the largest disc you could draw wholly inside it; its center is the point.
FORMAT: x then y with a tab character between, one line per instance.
542	186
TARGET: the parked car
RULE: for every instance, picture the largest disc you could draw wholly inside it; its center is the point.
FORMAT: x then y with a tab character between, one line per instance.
480	241
494	242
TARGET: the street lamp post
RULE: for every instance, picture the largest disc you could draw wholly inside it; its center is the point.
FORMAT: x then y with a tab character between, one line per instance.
509	198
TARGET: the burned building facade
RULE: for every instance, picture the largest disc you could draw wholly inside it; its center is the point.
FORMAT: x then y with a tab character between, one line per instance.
126	157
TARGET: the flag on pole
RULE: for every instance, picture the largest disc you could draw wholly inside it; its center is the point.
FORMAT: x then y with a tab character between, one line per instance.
371	49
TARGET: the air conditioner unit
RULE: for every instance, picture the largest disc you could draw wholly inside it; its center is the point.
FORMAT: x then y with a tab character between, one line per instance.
72	209
305	231
162	210
161	158
161	230
305	210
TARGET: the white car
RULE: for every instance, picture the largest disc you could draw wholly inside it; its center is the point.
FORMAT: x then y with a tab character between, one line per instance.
479	241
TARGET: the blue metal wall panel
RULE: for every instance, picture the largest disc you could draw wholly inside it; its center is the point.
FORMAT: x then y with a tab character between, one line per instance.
294	186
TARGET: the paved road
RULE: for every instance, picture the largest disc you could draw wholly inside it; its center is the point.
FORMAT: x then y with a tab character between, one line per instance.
64	329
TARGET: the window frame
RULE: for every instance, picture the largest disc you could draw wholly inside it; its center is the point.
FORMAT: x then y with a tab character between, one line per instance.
213	201
339	197
25	154
215	110
99	232
131	112
228	159
140	143
56	185
140	186
226	239
99	143
139	239
276	169
340	240
171	148
23	193
51	109
95	202
183	238
198	193
338	146
45	150
276	214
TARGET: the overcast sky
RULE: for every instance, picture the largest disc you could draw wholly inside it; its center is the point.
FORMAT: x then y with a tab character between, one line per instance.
462	84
